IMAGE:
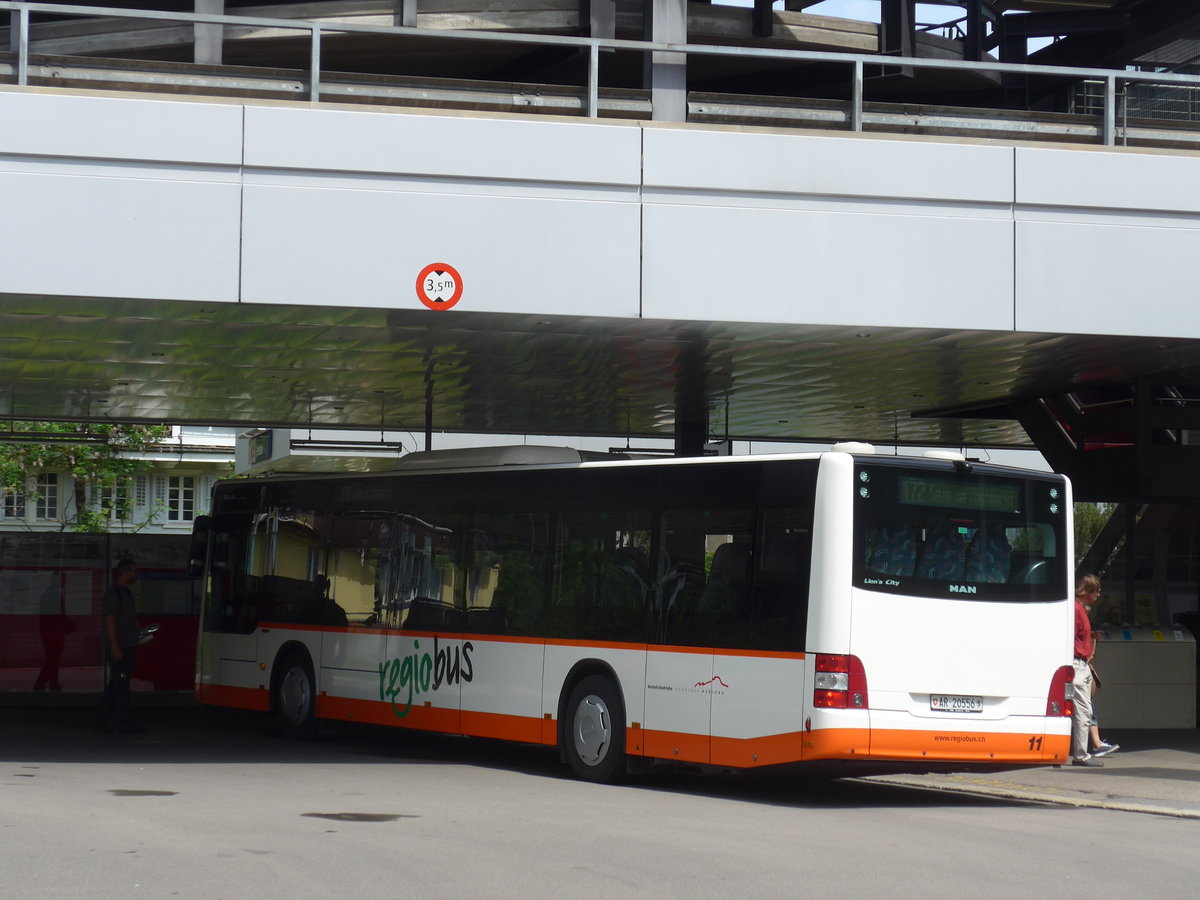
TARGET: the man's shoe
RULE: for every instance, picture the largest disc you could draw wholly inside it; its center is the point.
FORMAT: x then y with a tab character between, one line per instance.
1105	749
1090	761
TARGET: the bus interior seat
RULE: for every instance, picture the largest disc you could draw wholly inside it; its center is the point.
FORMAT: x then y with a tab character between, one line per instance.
989	558
485	620
728	584
891	550
427	614
942	555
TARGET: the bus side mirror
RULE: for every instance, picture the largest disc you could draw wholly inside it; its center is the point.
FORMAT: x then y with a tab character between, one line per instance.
199	547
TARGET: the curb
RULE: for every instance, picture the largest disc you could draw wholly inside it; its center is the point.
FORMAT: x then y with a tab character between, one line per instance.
1042	795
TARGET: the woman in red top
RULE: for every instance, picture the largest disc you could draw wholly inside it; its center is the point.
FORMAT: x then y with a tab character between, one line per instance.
1087	592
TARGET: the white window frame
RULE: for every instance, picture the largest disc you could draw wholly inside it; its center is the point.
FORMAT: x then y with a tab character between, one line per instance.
15	505
47	485
119	497
181	500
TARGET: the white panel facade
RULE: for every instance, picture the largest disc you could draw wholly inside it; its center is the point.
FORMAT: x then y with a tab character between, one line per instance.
117	128
1128	279
362	246
461	147
1108	179
140	197
759	227
1105	241
829	166
827	266
105	236
545	221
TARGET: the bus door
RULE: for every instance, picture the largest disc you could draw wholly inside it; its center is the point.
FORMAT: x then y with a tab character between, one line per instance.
679	664
239	557
419	593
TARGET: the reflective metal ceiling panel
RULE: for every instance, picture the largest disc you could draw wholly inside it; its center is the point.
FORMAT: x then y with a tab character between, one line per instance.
267	365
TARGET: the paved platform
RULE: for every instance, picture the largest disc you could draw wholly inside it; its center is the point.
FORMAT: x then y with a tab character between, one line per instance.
1153	772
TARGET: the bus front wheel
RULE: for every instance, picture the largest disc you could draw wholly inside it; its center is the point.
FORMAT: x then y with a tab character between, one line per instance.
595	738
295	696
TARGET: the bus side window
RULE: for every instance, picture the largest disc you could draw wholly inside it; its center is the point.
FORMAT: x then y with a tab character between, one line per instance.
602	583
728	587
506	593
782	585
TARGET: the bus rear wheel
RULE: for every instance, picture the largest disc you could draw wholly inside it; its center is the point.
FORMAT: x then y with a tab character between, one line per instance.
594	741
295	696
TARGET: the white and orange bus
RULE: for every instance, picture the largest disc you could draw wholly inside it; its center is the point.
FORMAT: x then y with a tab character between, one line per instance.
840	609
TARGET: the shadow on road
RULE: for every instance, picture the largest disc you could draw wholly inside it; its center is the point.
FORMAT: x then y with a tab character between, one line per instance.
208	735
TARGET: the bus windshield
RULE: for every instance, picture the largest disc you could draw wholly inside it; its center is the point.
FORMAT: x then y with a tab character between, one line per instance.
967	532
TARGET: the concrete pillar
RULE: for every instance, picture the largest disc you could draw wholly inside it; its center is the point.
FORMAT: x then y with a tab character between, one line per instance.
208	38
691	397
406	13
666	73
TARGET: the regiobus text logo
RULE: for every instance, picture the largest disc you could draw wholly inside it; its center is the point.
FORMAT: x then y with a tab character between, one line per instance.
422	672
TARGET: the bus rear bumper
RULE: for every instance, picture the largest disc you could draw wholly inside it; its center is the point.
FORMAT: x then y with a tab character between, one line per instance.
1028	748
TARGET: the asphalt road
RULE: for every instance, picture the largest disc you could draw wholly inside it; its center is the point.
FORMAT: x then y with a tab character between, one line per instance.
209	804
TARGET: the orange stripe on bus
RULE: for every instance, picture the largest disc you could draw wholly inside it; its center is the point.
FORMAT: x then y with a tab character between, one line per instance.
526	729
835	743
676	745
760	751
257	699
375	712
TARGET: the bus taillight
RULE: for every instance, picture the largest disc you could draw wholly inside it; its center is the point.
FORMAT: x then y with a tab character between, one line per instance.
841	682
1062	691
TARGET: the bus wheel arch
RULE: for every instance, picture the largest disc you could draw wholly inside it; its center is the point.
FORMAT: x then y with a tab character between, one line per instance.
294	691
591	719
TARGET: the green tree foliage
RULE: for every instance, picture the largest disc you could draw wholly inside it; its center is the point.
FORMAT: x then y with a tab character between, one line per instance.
102	458
1090	518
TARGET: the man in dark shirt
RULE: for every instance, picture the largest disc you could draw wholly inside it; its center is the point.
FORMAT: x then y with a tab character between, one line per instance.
119	633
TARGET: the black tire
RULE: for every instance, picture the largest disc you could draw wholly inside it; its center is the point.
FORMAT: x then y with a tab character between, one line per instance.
295	700
594	730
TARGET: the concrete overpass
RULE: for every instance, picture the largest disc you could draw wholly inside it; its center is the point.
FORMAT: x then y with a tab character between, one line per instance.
192	249
642	220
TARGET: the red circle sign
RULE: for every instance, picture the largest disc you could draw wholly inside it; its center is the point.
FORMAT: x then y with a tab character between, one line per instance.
439	285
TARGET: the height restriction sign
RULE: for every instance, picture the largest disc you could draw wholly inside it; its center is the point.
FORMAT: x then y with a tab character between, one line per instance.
439	286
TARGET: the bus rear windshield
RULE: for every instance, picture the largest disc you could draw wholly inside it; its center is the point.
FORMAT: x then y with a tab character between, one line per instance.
967	534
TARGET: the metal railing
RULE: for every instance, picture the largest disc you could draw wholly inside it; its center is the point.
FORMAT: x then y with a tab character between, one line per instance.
856	63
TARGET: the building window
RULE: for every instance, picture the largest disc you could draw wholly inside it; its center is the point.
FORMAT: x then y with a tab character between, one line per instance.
181	498
47	495
114	500
14	504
